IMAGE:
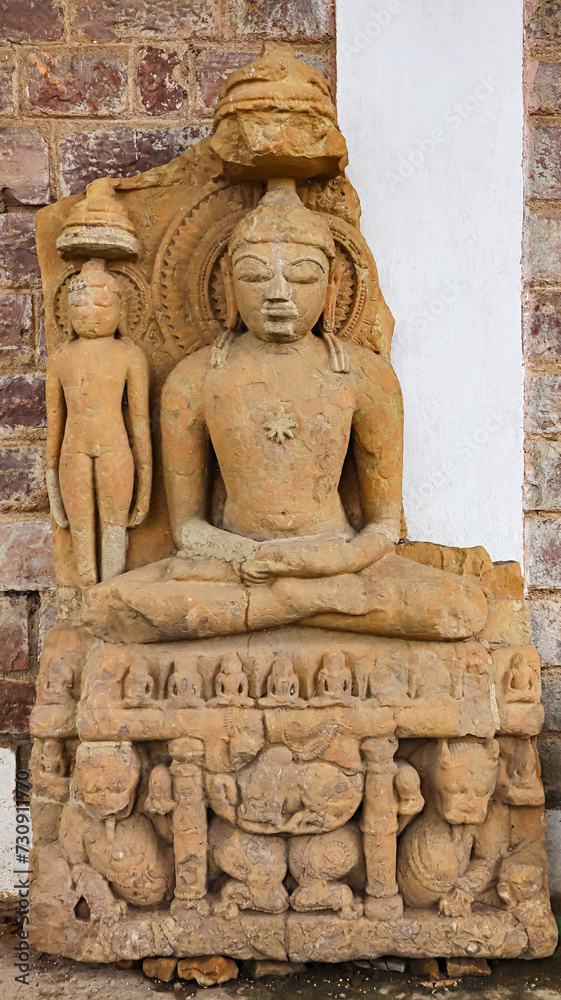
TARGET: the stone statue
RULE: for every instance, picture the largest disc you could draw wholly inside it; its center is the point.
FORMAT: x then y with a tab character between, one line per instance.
286	551
269	725
91	466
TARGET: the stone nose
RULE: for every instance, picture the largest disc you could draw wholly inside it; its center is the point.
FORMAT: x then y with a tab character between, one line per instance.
277	289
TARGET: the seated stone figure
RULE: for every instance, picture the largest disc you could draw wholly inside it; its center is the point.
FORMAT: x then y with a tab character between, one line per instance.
279	407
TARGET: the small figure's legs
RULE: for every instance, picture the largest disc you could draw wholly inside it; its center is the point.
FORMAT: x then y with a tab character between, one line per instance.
257	866
114	483
318	862
77	489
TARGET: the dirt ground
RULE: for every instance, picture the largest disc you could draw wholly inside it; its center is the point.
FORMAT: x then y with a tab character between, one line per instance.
61	979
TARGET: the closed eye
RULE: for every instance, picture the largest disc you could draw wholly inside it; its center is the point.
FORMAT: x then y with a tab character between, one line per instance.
304	271
251	268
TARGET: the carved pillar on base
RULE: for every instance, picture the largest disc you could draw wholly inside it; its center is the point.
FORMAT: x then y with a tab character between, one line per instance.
189	820
379	829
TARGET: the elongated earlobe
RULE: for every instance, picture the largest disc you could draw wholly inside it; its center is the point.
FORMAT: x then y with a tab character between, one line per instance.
231	304
338	357
333	286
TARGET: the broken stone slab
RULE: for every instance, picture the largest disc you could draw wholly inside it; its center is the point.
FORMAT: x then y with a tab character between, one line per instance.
160	968
259	968
208	970
426	967
467	967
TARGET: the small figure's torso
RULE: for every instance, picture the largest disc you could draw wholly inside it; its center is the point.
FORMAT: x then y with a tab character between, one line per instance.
93	375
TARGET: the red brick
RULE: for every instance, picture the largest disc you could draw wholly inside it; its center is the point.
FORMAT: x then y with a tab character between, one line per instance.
16	317
544	166
86	81
145	18
18	253
542	325
121	152
16	702
24	166
543	246
546	21
543	554
14	650
545	619
212	70
214	67
550	758
7	70
288	19
551	698
26	556
542	488
47	615
543	404
31	20
22	402
546	89
22	479
162	81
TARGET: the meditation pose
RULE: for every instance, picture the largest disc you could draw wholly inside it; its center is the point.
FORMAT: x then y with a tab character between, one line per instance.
91	466
280	408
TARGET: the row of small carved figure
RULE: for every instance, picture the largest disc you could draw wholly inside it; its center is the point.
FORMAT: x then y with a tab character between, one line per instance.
333	683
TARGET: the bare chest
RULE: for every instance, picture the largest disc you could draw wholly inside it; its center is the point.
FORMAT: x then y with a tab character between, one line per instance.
276	414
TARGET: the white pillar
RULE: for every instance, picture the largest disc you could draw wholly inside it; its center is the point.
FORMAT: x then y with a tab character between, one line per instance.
430	102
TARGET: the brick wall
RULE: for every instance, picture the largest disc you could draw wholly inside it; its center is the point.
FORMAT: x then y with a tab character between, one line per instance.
542	359
90	88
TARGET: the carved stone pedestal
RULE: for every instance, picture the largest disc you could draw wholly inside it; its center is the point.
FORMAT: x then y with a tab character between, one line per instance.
385	789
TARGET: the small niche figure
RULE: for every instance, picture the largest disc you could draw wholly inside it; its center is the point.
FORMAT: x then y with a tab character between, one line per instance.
139	684
185	684
283	686
231	684
334	682
522	682
91	463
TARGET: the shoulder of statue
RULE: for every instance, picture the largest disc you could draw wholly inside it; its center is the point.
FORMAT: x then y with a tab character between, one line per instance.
373	367
189	373
58	353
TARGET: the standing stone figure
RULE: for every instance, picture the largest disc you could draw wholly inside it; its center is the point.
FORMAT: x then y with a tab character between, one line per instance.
91	463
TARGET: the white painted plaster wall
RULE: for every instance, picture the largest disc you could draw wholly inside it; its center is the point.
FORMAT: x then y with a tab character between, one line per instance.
7	821
430	102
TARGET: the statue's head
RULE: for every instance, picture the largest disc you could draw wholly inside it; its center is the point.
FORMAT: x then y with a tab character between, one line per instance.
105	778
280	272
94	301
464	778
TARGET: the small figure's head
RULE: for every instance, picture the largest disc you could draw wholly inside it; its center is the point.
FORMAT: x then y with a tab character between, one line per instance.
231	679
185	681
280	271
464	778
105	779
160	800
139	682
59	680
283	682
94	301
334	677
